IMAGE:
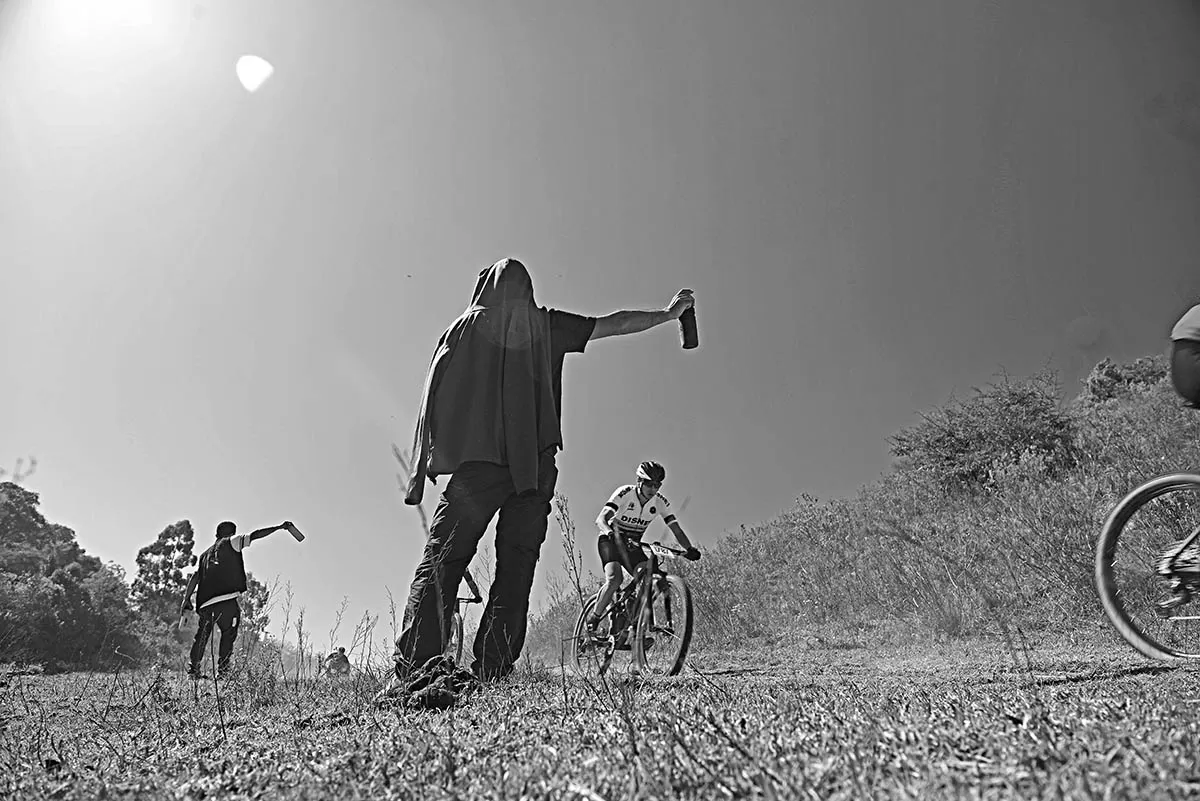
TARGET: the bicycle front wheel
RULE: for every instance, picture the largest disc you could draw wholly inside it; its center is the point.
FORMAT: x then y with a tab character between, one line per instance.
1145	525
590	657
664	627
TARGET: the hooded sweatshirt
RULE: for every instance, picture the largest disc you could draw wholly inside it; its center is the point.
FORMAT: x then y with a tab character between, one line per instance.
488	394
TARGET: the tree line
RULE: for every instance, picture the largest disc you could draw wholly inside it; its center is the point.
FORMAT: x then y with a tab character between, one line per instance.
65	609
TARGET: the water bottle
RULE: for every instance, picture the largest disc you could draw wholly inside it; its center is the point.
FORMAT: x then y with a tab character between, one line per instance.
688	335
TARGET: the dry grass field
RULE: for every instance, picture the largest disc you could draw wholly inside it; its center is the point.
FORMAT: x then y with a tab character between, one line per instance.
958	719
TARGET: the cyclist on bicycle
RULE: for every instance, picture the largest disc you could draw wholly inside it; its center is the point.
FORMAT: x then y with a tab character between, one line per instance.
1174	564
622	522
1185	356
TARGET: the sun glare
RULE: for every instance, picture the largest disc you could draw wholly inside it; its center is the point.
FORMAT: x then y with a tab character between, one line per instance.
91	19
80	30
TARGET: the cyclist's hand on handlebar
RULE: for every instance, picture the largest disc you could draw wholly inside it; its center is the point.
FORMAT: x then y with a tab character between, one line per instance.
692	554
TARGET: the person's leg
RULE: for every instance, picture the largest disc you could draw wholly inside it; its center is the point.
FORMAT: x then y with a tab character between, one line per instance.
204	626
520	532
612	577
470	500
229	619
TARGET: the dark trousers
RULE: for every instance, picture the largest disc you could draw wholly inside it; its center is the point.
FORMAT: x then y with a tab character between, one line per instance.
475	492
1185	369
225	615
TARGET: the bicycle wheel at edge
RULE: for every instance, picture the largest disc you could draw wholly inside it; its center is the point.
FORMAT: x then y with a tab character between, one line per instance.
1131	541
664	629
588	658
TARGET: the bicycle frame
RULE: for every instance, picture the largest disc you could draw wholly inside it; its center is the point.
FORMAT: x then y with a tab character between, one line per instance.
1167	567
634	596
631	619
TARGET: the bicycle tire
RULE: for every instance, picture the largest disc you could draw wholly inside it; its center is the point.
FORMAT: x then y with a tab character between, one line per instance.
670	624
1126	562
454	644
588	658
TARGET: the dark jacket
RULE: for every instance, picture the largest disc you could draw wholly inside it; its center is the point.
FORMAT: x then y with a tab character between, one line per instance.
489	392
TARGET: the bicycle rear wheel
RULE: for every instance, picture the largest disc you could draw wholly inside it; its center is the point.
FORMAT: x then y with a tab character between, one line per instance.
454	645
589	657
1145	525
664	628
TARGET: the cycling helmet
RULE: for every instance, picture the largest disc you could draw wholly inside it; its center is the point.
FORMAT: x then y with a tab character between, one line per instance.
653	472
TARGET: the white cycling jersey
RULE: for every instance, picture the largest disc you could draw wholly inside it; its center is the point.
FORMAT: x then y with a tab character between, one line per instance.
631	517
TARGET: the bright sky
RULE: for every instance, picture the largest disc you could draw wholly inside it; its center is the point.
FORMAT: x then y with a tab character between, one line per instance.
218	304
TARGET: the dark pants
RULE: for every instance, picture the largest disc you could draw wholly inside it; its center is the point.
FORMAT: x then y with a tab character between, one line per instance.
1185	369
225	615
474	494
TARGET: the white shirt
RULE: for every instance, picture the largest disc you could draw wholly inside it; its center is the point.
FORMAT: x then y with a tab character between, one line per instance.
631	517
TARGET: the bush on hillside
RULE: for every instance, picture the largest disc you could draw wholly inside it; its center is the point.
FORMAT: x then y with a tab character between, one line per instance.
1110	381
959	445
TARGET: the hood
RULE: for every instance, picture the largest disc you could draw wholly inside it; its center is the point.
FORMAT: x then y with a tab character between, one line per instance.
505	284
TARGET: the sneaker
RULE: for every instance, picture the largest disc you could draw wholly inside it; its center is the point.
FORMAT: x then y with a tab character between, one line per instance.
593	629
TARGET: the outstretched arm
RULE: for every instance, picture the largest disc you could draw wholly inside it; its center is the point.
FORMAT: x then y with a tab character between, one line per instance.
635	322
262	532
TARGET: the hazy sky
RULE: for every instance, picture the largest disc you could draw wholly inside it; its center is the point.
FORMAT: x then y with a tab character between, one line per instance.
218	304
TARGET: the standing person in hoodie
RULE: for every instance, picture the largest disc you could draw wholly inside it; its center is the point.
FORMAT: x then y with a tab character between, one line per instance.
490	420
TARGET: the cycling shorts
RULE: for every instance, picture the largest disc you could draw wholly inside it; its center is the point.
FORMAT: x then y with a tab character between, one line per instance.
609	553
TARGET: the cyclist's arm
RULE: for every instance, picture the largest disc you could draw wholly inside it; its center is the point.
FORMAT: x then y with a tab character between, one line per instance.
680	537
604	521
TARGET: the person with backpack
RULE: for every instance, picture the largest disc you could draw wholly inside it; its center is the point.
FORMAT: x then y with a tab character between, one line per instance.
218	582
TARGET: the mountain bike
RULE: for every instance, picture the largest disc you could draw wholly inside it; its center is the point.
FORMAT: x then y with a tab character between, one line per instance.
650	616
454	644
1148	567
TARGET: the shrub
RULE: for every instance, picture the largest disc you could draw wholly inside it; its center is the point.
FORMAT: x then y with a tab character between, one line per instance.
960	444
